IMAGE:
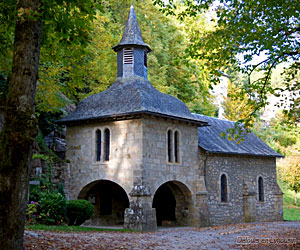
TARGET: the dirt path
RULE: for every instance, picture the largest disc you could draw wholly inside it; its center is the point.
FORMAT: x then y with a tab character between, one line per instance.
271	235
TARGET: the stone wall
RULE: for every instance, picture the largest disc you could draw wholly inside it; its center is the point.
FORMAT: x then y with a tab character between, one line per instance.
242	173
125	161
185	175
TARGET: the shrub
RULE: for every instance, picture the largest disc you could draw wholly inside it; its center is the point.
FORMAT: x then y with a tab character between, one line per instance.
78	211
52	207
32	212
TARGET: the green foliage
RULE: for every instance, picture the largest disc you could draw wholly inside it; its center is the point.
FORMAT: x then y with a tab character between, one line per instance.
35	193
244	30
47	121
292	214
61	189
290	211
236	107
286	140
78	211
290	174
279	135
77	64
31	212
52	208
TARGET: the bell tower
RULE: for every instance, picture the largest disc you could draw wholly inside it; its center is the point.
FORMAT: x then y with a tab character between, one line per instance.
131	50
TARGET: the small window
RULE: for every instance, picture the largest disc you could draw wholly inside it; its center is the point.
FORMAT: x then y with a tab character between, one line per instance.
98	145
145	59
224	195
106	144
176	144
128	56
260	189
169	146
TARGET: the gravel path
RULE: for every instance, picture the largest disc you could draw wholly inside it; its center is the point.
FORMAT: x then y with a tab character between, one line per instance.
271	235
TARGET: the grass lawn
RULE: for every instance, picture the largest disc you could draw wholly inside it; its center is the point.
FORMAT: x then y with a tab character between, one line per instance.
72	228
290	210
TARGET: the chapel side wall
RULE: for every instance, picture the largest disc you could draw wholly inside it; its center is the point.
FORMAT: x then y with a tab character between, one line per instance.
242	171
124	165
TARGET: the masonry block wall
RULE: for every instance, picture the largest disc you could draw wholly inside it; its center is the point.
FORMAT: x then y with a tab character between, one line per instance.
125	161
185	174
242	175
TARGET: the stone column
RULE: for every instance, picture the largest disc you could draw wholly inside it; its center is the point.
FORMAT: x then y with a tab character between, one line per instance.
202	204
249	202
140	215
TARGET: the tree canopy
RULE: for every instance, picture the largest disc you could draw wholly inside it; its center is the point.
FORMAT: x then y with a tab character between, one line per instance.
252	36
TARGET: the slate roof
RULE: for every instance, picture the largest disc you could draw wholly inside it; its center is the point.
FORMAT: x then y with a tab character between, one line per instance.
210	140
132	33
129	96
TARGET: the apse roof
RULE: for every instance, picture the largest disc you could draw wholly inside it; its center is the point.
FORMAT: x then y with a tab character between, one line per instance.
210	140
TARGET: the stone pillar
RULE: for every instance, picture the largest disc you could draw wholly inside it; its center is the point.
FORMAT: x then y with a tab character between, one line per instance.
249	203
202	203
277	201
140	215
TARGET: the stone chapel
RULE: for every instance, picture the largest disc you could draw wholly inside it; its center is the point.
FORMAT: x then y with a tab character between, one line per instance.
144	160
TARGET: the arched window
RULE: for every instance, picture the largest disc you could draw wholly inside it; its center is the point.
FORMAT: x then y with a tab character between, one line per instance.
260	189
98	145
224	195
106	144
169	145
176	145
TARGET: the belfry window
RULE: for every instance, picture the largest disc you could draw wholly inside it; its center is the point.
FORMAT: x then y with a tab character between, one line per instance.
98	145
106	144
128	56
260	189
169	139
224	194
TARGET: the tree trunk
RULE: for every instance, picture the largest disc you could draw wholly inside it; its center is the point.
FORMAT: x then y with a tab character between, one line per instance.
20	126
296	201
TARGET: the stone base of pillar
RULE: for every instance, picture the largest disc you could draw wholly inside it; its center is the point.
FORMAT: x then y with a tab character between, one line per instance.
140	215
204	220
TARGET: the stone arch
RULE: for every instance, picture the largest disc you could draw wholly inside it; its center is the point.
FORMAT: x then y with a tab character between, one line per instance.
109	199
173	203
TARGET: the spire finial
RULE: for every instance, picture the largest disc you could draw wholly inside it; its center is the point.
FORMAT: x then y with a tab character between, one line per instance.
132	33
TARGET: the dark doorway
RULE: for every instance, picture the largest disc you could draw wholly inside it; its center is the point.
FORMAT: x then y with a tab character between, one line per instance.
165	204
109	200
173	204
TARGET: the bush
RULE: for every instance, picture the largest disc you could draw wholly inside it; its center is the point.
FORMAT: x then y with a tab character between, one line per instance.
53	208
78	211
32	212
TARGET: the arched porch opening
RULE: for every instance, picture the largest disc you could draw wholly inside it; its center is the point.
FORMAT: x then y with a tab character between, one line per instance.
110	201
173	204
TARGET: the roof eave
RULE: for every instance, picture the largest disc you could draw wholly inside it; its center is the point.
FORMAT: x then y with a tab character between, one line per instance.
244	154
120	46
126	116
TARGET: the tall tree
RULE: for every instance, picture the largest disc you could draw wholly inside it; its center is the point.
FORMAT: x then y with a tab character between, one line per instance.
236	107
67	20
249	28
19	129
290	174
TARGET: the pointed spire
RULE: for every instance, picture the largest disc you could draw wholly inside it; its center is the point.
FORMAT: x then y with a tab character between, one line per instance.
132	34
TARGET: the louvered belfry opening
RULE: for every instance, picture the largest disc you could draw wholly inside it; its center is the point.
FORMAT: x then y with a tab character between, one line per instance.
128	56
